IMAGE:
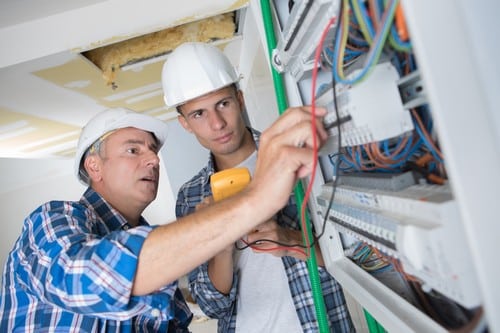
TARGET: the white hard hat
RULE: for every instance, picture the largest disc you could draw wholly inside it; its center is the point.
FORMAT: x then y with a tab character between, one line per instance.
113	119
193	70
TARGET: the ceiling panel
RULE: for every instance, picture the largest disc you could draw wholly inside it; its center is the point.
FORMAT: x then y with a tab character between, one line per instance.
45	101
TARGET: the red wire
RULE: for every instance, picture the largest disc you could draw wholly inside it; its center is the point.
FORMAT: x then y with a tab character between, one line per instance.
286	248
317	55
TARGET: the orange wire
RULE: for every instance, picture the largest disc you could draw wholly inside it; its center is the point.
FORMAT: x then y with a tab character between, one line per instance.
400	23
424	159
372	157
390	158
426	133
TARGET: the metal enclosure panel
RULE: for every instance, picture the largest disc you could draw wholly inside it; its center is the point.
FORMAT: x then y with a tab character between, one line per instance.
460	93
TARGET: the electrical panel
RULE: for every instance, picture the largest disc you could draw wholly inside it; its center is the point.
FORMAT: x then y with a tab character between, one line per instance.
418	225
295	50
385	209
364	116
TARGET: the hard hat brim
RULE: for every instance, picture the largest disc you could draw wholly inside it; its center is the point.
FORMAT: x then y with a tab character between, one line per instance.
129	119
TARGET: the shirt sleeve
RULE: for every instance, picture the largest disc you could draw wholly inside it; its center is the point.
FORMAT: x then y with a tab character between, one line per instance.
65	262
181	205
211	301
182	315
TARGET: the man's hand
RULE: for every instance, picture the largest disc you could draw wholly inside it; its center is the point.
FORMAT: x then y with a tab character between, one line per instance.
270	230
285	155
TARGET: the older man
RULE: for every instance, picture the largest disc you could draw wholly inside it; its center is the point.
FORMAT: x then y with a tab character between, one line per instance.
96	265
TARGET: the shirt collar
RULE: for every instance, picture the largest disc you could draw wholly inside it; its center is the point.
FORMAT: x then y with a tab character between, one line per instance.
110	216
211	160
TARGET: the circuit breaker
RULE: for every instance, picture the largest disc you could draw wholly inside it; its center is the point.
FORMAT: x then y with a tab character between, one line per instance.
390	227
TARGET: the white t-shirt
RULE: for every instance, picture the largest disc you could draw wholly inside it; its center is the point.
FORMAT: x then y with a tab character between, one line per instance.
264	302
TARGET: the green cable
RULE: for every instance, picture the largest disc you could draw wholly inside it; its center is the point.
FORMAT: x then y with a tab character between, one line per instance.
373	325
363	25
312	264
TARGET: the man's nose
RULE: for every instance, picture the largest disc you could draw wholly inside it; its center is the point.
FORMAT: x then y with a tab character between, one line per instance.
152	158
216	120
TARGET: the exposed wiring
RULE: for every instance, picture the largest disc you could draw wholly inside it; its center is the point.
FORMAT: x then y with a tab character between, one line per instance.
426	136
367	32
376	47
308	191
339	141
307	243
365	25
374	10
255	245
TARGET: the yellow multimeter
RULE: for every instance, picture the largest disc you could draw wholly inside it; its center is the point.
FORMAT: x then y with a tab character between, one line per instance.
228	182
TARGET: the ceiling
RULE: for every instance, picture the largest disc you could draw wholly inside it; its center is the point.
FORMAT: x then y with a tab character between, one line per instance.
50	88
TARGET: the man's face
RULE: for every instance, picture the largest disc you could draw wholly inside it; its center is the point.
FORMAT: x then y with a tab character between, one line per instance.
216	120
129	168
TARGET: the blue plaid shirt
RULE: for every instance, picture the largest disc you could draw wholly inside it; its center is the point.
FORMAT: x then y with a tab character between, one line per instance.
223	307
72	268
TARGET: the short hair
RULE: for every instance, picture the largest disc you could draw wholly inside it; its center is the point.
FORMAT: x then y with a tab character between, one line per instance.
94	149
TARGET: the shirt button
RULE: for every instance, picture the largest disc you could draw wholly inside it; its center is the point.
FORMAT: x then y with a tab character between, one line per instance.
155	313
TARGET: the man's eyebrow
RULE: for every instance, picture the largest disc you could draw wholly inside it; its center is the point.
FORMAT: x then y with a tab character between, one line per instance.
153	145
194	111
229	96
134	141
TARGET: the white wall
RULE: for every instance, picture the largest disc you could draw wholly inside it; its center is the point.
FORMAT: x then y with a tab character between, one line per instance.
25	185
183	156
28	183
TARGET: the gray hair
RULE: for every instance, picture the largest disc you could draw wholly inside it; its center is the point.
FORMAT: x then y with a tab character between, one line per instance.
94	149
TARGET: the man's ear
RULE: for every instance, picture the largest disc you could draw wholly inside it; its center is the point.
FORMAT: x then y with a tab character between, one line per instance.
92	165
184	123
240	99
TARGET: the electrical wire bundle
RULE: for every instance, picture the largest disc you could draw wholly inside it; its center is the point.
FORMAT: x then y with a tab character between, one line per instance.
389	271
369	259
365	31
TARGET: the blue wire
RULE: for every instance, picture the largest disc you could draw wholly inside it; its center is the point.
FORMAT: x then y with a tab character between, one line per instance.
432	166
404	151
369	62
358	160
397	64
366	18
353	52
416	146
385	145
348	161
428	144
413	65
336	56
398	41
357	41
388	150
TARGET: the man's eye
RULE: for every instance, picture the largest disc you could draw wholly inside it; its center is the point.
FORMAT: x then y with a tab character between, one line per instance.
197	114
224	104
132	150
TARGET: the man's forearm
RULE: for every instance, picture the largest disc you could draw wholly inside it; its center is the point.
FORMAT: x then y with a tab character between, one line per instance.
220	271
172	250
285	154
